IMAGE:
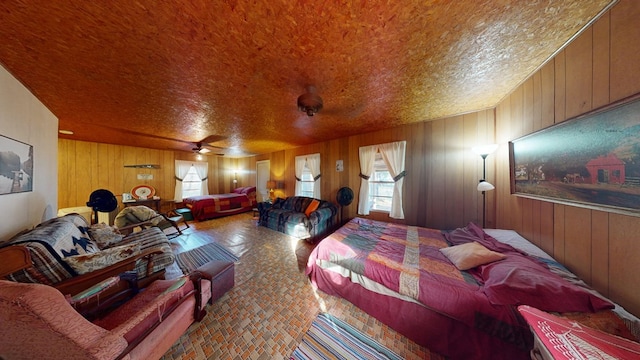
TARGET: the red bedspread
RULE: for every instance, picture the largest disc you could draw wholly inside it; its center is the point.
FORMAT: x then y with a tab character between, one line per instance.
212	206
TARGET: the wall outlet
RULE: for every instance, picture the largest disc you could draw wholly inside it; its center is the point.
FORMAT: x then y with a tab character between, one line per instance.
339	165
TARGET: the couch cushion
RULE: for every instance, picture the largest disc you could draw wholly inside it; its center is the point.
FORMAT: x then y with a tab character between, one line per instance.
104	235
86	263
145	309
152	238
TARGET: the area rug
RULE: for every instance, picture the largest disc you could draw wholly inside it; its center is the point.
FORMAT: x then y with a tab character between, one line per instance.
194	258
332	338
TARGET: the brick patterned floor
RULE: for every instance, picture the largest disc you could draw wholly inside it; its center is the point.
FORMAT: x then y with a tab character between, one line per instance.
272	303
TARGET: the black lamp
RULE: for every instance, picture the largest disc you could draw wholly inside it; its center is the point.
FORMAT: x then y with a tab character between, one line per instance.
483	184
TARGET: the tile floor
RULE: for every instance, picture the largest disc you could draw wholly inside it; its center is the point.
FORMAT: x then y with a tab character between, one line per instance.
272	304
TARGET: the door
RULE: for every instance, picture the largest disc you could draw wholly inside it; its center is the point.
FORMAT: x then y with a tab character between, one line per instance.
263	174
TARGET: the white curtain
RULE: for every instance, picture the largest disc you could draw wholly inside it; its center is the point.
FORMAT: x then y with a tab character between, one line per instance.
367	159
313	162
300	161
393	155
202	169
182	168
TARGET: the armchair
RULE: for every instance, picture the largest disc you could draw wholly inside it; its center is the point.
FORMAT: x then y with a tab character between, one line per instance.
40	323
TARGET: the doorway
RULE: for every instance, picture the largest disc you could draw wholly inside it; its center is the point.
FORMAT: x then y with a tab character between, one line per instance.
263	174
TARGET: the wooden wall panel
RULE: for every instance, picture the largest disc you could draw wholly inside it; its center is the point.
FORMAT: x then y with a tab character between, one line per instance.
625	52
577	241
560	87
601	63
547	94
596	69
624	266
600	251
579	75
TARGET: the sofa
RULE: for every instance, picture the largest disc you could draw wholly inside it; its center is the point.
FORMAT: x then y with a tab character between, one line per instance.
39	322
70	255
299	216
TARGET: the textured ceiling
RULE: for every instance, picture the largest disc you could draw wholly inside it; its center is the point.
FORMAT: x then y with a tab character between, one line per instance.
165	74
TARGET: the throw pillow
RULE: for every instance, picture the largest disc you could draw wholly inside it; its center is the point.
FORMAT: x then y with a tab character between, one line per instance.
86	263
104	235
313	206
470	255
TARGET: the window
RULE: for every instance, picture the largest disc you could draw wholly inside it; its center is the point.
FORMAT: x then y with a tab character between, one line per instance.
307	182
308	175
380	186
191	184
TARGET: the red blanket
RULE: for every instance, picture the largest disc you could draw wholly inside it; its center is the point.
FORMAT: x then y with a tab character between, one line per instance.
212	206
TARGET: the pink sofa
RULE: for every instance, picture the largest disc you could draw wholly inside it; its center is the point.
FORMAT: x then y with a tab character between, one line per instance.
38	322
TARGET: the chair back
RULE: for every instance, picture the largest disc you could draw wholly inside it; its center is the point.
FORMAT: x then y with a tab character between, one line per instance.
39	323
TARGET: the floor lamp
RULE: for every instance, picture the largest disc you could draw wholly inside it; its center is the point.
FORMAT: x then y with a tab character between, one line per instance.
484	185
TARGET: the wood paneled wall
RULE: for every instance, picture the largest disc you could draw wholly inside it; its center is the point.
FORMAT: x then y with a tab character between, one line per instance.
84	167
598	68
442	172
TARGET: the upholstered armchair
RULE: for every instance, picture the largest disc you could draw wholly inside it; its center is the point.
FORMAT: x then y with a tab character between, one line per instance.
39	322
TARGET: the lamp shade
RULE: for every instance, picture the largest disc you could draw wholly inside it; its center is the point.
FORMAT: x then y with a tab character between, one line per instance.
271	184
485	186
485	150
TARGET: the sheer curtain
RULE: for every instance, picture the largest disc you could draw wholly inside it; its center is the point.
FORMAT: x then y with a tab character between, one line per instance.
300	161
393	155
182	168
202	169
367	159
313	162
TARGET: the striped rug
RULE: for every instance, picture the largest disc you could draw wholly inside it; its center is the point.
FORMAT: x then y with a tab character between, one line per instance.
193	259
332	338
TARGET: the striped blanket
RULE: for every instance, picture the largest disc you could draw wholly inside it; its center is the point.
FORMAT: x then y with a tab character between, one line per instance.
332	338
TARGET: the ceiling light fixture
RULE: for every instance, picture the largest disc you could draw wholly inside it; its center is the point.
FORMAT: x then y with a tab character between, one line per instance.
310	102
65	132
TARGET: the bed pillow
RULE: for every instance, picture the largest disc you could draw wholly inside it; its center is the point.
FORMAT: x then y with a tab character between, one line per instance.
518	280
470	255
313	206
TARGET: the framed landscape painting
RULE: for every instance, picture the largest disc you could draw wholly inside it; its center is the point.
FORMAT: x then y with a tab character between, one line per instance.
16	166
592	160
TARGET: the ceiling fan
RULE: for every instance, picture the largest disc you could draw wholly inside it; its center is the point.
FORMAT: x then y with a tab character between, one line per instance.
204	147
310	102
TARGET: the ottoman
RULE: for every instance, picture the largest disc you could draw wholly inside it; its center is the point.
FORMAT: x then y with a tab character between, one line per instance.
221	275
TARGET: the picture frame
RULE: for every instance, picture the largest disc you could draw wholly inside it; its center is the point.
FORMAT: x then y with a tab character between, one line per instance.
16	166
592	160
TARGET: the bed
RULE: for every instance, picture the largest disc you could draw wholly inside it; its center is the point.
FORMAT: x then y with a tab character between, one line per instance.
410	279
207	207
